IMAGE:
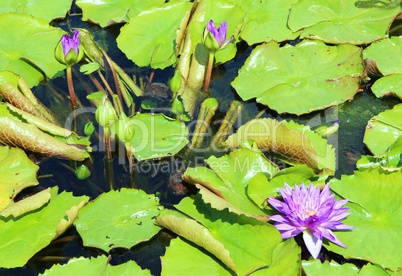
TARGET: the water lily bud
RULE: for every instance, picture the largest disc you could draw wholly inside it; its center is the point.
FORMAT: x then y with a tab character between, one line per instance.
124	128
175	82
89	129
82	172
214	39
69	50
177	106
105	114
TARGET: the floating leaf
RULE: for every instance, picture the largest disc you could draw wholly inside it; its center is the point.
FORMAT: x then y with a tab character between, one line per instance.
296	143
108	12
22	237
46	9
179	260
156	136
386	58
383	130
17	172
315	267
312	74
228	178
348	21
153	36
26	43
266	20
375	215
131	222
95	266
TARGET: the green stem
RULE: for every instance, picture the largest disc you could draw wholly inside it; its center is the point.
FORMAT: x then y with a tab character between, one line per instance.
109	161
71	87
209	72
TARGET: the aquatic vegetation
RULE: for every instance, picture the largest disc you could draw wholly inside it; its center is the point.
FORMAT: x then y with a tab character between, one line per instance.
250	105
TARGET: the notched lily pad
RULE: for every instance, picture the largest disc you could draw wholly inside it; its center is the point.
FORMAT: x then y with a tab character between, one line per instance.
28	43
349	21
129	224
312	74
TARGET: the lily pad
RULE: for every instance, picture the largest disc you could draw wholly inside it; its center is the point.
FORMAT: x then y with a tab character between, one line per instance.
22	237
297	144
131	222
266	20
349	21
383	130
312	74
179	260
228	178
17	172
156	136
46	9
315	267
384	58
375	216
95	266
154	38
28	43
108	12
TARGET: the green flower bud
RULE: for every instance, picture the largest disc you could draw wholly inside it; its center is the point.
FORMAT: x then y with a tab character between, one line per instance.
177	106
210	42
175	82
69	50
89	129
82	172
105	114
124	128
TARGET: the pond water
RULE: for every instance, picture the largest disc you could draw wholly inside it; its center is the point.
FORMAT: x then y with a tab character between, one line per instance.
162	176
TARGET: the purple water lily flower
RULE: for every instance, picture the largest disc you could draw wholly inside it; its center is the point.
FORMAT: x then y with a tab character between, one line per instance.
215	38
219	33
307	211
69	43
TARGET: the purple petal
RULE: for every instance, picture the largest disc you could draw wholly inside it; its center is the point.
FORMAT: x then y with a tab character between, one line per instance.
312	243
222	33
213	30
326	233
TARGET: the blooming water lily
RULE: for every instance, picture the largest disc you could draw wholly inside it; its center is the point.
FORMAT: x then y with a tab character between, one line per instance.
215	38
311	212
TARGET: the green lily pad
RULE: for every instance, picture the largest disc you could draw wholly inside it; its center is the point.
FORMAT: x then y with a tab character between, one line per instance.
17	172
285	260
349	21
179	260
297	144
156	136
384	58
108	12
46	9
219	231
370	269
153	32
315	267
266	20
312	74
22	237
383	130
131	222
94	267
228	178
26	40
375	202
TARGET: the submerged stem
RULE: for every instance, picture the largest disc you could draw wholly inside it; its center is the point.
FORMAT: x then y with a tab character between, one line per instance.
71	87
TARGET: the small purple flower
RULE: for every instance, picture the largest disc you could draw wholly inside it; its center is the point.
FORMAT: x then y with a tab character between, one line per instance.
219	33
215	38
311	212
69	43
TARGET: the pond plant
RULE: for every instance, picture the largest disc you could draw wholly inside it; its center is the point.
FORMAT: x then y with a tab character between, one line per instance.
271	144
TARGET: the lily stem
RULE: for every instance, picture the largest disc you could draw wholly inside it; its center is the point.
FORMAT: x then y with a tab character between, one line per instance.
209	72
109	162
73	98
